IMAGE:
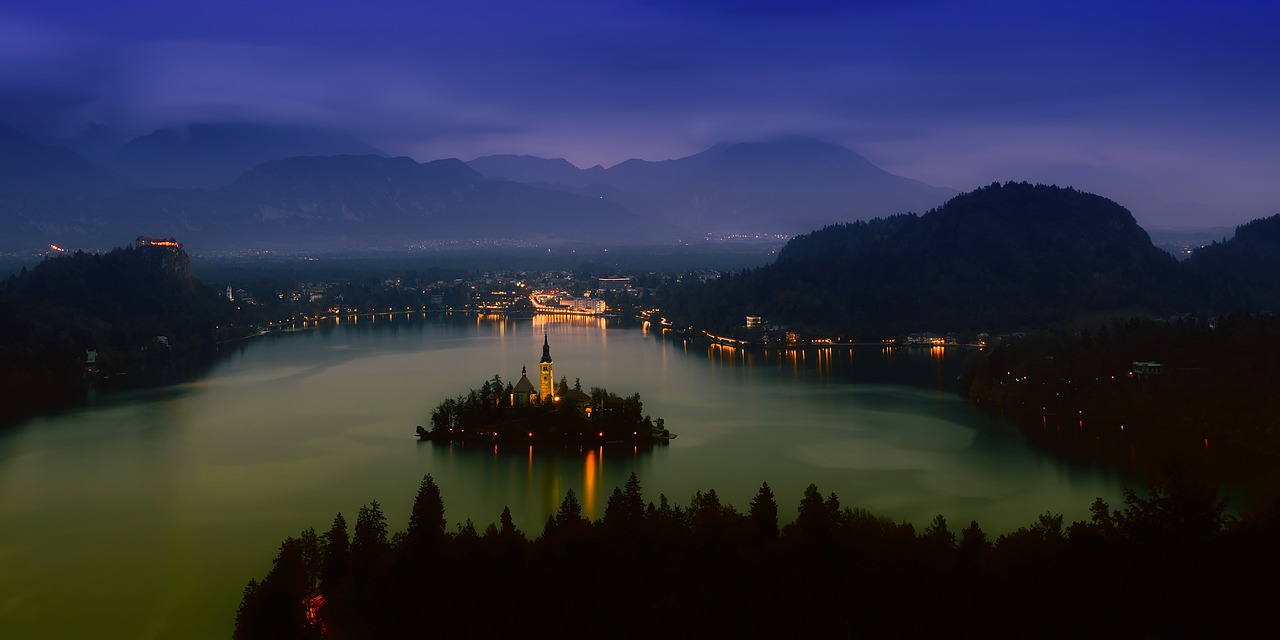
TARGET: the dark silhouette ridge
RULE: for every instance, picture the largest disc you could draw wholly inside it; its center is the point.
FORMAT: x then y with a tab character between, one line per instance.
1165	564
1001	257
138	309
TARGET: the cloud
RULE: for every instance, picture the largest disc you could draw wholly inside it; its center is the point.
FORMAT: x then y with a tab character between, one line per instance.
1137	98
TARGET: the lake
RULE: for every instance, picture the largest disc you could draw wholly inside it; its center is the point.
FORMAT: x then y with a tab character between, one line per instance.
145	514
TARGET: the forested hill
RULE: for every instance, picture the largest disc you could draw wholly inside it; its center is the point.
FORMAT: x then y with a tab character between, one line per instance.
129	305
1242	273
1001	257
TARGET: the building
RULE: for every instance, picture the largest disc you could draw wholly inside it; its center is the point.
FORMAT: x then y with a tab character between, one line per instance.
547	384
613	284
148	241
587	305
523	393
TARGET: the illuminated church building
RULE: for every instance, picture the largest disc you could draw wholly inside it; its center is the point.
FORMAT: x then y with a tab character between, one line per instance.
547	385
524	393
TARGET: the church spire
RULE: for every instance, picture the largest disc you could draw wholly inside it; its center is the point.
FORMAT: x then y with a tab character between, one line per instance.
546	379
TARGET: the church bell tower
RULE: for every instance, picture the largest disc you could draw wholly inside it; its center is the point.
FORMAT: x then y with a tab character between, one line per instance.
546	381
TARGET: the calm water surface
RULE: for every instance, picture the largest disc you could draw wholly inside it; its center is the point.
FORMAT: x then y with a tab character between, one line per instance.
145	515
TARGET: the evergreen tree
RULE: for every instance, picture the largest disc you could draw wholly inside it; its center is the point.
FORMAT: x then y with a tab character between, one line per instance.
937	533
764	513
337	556
973	542
613	516
507	527
426	520
633	501
569	516
369	544
813	519
274	608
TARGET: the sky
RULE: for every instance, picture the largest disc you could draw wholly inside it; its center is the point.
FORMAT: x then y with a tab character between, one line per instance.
1169	108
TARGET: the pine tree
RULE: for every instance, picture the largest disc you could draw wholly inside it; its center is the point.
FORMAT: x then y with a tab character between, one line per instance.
764	513
570	514
426	521
337	556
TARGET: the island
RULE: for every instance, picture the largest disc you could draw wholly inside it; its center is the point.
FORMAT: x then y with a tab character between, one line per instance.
520	413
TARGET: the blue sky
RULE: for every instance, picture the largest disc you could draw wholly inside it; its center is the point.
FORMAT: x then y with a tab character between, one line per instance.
1167	107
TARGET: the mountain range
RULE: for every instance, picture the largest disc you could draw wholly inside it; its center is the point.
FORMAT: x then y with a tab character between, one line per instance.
785	185
210	155
223	186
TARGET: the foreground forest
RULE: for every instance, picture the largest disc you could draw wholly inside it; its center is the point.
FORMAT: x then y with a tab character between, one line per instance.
1171	563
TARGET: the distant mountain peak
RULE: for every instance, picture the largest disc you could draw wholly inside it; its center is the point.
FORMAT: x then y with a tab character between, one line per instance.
211	154
784	184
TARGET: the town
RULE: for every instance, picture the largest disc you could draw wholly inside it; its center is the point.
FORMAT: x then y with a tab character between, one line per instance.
269	303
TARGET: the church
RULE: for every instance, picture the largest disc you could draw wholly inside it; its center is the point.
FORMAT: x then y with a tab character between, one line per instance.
549	411
524	393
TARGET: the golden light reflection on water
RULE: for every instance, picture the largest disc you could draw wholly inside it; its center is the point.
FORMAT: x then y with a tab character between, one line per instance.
722	354
823	364
495	319
593	470
545	321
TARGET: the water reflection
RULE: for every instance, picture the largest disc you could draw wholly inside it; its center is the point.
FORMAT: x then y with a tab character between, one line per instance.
591	478
530	480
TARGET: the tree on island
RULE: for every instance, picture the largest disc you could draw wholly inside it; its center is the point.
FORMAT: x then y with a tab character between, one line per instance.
571	417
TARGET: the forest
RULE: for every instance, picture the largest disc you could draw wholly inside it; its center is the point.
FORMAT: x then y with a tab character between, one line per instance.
139	308
1001	258
1170	563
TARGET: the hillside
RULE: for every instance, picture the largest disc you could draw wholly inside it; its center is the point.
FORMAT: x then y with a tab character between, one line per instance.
1001	257
1242	273
116	304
